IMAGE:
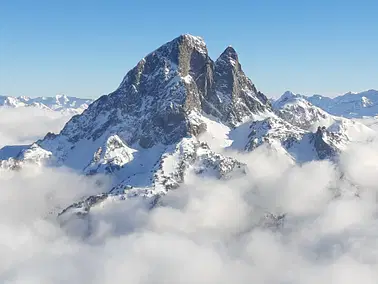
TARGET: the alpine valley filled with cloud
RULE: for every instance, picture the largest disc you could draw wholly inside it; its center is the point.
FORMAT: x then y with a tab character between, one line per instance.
188	173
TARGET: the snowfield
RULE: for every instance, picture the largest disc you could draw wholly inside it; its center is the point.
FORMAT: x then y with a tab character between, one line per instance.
62	103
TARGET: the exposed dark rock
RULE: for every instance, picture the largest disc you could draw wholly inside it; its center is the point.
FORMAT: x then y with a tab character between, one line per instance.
324	150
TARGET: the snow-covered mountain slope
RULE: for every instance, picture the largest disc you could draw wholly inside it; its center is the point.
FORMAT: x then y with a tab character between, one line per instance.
303	131
62	103
296	110
299	112
282	137
350	105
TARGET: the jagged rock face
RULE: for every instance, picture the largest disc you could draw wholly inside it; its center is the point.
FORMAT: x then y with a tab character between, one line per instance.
273	129
233	96
112	156
154	99
327	143
299	112
300	144
152	103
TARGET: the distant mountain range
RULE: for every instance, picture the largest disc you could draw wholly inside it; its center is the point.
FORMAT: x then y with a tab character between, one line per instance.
178	112
349	105
62	103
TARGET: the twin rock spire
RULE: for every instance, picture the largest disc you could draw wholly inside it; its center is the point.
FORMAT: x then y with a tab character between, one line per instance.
155	100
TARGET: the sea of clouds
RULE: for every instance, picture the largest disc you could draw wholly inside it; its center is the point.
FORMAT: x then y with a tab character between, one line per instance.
206	231
25	125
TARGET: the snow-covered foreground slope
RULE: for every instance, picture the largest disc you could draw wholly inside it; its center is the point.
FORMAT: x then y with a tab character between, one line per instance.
62	103
350	105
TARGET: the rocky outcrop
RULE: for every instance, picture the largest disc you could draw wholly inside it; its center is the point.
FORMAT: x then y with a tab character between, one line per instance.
301	113
324	144
301	145
233	97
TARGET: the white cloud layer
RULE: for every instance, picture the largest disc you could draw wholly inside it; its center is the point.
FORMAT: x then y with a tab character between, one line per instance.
206	231
25	125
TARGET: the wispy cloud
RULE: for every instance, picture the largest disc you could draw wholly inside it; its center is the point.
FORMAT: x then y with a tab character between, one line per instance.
27	124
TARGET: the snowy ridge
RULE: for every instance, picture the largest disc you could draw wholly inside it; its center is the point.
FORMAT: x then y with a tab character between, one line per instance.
349	105
296	110
299	112
113	155
66	105
299	144
190	156
34	155
304	131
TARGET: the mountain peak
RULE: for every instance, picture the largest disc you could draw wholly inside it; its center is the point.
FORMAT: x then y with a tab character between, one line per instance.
181	55
156	99
229	55
286	97
192	41
189	41
192	38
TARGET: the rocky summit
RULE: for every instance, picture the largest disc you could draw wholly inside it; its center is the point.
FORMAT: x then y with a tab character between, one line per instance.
155	99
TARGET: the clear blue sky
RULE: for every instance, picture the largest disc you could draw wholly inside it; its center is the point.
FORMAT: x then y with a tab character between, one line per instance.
84	48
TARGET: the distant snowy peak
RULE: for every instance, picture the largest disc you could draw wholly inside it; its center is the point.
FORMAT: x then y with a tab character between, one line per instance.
287	97
300	145
350	105
62	103
298	111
